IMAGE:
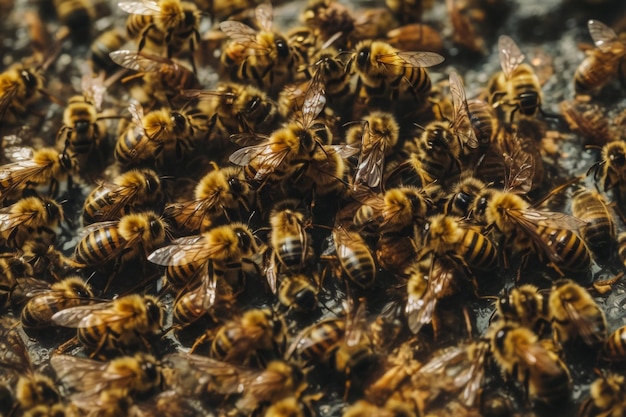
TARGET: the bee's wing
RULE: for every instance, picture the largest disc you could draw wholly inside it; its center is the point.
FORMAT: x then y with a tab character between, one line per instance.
264	16
142	7
510	55
461	121
89	315
603	37
412	59
181	251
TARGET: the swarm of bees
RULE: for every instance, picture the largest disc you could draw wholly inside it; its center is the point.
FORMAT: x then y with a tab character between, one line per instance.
209	210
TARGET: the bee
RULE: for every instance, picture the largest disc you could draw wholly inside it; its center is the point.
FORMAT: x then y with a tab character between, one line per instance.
223	247
415	37
385	72
394	211
84	132
524	305
548	234
602	64
535	363
46	299
21	85
47	171
327	18
614	348
117	325
35	392
461	198
378	136
606	397
159	136
263	57
463	242
240	107
162	74
516	85
588	120
131	237
575	314
108	41
316	343
248	337
599	229
77	16
88	379
132	191
354	256
11	268
392	408
299	292
484	121
333	72
28	218
169	23
611	170
464	28
408	11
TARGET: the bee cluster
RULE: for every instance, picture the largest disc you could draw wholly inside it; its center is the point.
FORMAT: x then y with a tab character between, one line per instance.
231	216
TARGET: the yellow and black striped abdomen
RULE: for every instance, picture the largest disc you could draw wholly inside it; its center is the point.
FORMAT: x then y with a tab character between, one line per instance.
99	246
566	249
478	251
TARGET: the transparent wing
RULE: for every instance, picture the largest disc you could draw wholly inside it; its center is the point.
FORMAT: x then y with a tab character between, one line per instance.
510	55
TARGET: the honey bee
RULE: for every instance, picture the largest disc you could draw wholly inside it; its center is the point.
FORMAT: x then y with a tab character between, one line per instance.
114	326
317	342
37	392
464	28
611	170
599	229
588	120
162	74
240	107
535	363
28	218
575	314
88	379
463	242
378	136
386	72
47	171
263	57
298	292
327	18
218	193
516	85
223	247
606	397
548	234
331	69
108	41
408	11
169	23
132	191
159	136
484	122
601	65
77	16
461	198
415	37
354	256
614	348
21	85
524	305
251	336
47	299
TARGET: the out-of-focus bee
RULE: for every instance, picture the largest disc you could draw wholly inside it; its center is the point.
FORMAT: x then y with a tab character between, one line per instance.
575	314
327	18
160	74
220	193
607	397
408	11
299	292
21	85
415	37
169	23
354	256
517	85
36	393
461	198
160	136
84	131
378	135
252	336
588	120
88	379
277	381
393	211
385	72
464	29
611	170
132	191
29	218
393	408
131	237
264	57
114	326
603	64
239	107
599	229
371	23
47	171
614	348
524	305
464	242
11	268
521	355
77	16
45	260
452	372
108	41
48	299
551	235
